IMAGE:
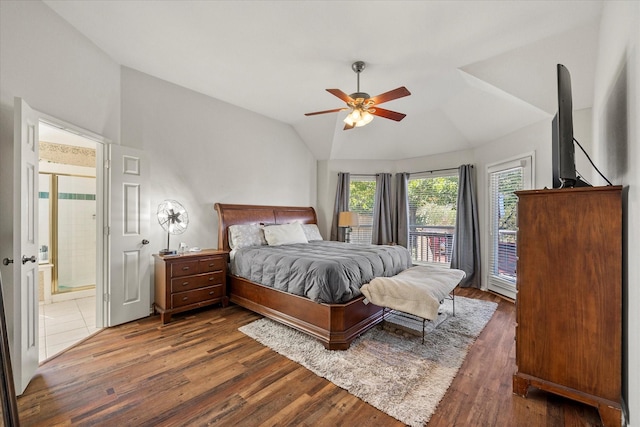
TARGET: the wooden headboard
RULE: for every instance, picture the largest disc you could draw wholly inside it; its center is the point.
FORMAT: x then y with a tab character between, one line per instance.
256	214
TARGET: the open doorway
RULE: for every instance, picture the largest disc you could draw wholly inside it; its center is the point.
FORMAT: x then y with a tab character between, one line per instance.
67	197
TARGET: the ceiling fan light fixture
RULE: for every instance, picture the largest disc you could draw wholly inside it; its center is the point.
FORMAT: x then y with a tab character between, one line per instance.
365	118
353	117
358	117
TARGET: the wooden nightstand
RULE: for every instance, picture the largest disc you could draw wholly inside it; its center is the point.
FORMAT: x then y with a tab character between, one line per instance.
188	281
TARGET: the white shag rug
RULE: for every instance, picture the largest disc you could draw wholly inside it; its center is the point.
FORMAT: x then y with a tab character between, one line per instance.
389	368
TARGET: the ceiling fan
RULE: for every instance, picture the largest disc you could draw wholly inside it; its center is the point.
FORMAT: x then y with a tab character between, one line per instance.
363	107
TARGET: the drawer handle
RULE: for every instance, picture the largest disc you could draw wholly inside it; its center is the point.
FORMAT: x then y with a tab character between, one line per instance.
211	292
211	265
185	298
185	283
185	268
211	279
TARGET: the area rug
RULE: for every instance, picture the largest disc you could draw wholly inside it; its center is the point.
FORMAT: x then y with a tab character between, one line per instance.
388	367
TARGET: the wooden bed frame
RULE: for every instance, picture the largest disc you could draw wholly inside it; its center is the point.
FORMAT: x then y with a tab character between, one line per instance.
334	325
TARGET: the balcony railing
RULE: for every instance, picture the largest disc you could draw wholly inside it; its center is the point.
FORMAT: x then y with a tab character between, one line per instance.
506	255
429	243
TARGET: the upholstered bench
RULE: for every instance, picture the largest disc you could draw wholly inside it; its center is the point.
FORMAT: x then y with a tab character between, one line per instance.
418	290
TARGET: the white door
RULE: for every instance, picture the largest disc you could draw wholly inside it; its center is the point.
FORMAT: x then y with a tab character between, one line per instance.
25	244
129	288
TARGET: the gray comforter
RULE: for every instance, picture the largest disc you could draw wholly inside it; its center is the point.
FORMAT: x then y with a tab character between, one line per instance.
323	271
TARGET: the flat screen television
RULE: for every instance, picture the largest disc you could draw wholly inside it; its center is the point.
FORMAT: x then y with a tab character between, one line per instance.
563	150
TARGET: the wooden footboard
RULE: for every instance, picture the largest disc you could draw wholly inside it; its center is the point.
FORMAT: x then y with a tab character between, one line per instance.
334	325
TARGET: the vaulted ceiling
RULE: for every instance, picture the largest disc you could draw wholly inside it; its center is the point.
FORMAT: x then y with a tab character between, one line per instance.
477	70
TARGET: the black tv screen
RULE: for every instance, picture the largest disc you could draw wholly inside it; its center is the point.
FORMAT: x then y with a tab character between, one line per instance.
563	151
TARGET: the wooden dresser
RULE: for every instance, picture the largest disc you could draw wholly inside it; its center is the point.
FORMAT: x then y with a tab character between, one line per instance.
188	281
569	307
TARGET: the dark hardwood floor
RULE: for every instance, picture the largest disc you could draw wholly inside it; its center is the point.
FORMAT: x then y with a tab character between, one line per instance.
200	370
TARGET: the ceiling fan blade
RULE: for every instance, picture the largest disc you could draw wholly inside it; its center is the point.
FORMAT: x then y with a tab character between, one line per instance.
391	95
348	126
387	114
326	111
340	94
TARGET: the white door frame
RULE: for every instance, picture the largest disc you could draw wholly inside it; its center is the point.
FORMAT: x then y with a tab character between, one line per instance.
101	206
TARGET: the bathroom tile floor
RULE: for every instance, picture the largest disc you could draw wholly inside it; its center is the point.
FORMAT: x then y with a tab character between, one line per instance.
64	323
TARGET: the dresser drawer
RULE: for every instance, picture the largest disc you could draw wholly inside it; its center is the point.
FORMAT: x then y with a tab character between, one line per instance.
184	268
188	283
196	296
212	264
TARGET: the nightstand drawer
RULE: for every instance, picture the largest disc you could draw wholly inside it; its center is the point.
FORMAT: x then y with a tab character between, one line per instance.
196	296
184	268
212	264
188	283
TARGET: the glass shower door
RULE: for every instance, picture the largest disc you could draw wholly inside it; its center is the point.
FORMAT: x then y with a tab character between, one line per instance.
76	233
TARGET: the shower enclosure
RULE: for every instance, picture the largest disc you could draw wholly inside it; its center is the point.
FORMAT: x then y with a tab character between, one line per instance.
68	230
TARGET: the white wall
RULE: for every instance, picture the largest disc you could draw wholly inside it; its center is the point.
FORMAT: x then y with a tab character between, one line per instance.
204	151
616	113
59	72
201	150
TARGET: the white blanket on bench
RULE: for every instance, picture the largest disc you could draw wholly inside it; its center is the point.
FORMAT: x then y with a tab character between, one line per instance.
417	290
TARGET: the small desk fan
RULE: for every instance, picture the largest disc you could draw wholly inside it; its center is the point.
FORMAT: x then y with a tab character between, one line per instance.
173	218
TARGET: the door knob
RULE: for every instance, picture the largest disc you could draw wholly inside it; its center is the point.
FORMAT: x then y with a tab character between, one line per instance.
26	260
145	242
7	261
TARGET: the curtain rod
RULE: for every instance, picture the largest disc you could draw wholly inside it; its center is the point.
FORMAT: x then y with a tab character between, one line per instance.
437	170
410	173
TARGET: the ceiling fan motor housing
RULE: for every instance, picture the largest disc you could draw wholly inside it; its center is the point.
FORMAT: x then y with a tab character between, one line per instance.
362	95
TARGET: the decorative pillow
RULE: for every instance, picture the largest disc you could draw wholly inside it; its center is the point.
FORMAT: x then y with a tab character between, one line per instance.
311	232
285	234
245	235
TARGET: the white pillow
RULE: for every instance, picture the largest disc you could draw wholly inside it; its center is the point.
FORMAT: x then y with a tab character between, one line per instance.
285	234
311	232
245	235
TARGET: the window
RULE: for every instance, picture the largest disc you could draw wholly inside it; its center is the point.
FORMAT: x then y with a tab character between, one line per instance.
432	217
504	180
362	191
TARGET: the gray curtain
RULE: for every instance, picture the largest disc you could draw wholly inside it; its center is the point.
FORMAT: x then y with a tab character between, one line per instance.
341	204
466	242
382	233
401	211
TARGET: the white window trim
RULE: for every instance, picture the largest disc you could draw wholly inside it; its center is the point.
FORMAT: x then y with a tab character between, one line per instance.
527	160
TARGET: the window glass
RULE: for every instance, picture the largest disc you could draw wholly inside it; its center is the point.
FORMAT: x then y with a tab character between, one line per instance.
432	217
362	191
504	180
